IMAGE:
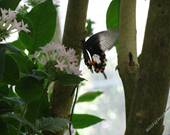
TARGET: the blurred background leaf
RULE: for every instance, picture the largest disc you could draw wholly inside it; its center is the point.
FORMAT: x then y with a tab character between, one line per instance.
112	16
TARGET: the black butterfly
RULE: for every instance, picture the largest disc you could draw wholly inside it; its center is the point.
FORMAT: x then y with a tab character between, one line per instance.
94	50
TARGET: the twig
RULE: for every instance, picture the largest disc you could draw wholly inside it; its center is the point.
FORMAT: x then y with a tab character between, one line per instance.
72	109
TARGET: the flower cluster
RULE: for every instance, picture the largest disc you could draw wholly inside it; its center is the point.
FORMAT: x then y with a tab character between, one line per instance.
9	24
64	59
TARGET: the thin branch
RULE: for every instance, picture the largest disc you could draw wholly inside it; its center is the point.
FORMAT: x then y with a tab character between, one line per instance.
72	109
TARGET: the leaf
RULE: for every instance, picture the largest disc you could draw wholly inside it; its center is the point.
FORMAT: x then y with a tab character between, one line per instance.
51	124
29	88
42	23
24	63
68	79
5	107
3	127
12	48
40	108
89	96
77	133
11	71
2	61
19	44
18	118
12	4
39	74
4	90
89	28
14	101
84	120
112	16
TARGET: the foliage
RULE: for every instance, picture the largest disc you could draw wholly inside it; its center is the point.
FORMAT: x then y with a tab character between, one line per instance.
42	30
24	103
89	96
89	28
84	120
81	121
12	4
112	16
68	79
24	100
51	124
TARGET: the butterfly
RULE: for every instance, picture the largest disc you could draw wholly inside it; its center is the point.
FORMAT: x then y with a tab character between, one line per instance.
94	50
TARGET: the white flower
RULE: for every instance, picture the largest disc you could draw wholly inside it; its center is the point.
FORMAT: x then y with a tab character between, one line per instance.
24	27
11	15
15	25
73	69
61	65
64	59
9	24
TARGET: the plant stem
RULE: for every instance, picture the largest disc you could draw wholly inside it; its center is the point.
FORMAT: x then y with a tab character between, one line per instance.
72	109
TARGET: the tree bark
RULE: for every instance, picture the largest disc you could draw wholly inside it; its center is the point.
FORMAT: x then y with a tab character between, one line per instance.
127	54
153	81
73	34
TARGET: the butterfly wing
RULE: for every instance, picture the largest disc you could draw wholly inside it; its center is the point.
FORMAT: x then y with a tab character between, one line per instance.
105	40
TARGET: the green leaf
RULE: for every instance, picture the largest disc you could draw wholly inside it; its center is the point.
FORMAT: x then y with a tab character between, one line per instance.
3	127
89	96
51	124
24	63
77	133
16	103
12	48
39	74
19	44
40	108
11	71
18	118
4	90
12	4
84	120
42	23
112	16
5	107
2	61
89	28
68	79
34	3
29	88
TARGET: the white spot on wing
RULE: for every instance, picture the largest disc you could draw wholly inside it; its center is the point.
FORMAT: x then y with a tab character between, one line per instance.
96	58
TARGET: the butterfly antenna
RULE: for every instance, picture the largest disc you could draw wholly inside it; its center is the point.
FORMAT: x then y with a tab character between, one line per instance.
104	75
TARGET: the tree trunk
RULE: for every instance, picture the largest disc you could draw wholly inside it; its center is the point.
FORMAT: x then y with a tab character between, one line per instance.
127	54
73	34
153	80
